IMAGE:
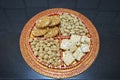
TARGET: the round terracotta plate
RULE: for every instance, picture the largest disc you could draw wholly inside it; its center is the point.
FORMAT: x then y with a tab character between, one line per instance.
33	62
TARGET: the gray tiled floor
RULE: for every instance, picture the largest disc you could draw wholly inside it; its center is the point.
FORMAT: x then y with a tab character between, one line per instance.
105	15
85	4
111	5
117	19
3	18
12	4
36	3
33	11
62	3
90	14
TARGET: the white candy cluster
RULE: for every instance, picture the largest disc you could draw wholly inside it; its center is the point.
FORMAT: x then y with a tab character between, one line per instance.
75	48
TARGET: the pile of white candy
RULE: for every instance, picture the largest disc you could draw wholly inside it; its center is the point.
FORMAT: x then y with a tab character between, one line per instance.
74	48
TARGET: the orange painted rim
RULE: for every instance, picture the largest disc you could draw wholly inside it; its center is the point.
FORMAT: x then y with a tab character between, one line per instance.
58	73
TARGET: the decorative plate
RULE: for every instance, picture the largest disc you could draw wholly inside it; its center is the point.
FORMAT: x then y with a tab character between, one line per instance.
67	63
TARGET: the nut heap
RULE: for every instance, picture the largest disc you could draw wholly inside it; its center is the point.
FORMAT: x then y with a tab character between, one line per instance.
47	51
46	26
70	24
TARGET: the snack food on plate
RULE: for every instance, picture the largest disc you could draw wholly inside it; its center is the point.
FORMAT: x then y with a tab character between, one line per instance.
59	43
55	20
39	32
52	32
43	22
70	24
59	40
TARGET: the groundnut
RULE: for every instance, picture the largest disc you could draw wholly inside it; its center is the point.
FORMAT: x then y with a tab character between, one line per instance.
34	49
37	44
54	46
82	34
35	53
41	55
86	31
40	58
32	46
51	60
50	56
45	60
48	62
33	43
59	61
37	48
46	56
65	34
69	27
48	44
47	48
49	52
67	31
51	43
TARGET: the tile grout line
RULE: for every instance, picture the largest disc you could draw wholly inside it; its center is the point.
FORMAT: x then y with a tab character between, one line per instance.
117	14
48	4
25	9
76	4
10	23
74	8
99	2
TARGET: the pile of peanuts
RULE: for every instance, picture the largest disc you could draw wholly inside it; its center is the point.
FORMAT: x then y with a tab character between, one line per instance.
47	50
70	24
